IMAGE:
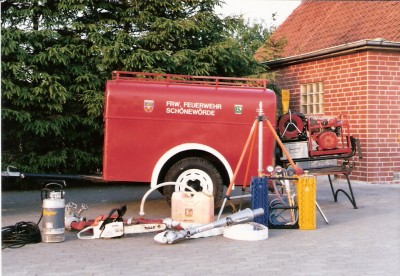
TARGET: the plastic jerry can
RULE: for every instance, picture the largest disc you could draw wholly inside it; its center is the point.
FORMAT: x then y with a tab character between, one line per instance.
192	207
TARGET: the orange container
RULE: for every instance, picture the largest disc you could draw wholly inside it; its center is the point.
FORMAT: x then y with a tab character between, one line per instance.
192	207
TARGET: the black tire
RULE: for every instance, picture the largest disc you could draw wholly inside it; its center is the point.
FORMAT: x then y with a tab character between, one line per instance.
198	169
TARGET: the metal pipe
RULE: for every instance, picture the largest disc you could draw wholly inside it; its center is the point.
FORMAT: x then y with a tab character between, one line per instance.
260	139
253	129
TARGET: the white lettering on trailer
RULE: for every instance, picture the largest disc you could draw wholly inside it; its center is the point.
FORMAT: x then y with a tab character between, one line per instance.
192	108
202	105
174	104
201	112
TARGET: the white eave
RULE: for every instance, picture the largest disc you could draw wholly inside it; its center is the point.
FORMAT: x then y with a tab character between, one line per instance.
353	47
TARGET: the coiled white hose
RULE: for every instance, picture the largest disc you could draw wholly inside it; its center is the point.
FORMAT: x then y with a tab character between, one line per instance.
183	185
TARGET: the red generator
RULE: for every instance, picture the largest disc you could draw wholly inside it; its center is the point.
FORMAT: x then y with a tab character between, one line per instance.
186	129
310	139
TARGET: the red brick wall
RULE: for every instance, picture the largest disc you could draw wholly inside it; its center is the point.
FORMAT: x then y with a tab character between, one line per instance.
364	86
383	124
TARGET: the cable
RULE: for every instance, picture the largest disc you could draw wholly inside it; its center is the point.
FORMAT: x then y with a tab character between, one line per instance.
279	215
278	212
16	236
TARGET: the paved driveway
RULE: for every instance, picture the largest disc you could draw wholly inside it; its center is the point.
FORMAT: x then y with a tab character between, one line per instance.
363	241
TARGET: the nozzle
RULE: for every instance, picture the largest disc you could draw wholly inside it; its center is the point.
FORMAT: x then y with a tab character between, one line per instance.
258	212
170	236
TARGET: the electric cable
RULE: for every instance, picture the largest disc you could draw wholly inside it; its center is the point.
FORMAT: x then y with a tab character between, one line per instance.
277	193
278	208
16	236
278	214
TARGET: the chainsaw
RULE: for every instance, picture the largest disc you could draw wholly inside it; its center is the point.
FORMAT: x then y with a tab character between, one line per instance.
114	226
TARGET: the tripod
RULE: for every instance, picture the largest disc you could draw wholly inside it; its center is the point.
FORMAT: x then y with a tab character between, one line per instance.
257	128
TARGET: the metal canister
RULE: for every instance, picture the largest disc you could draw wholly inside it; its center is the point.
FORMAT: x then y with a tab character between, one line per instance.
53	214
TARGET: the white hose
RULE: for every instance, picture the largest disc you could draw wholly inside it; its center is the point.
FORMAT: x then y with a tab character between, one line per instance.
183	185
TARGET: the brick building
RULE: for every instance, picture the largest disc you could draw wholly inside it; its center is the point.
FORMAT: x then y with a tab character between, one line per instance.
344	57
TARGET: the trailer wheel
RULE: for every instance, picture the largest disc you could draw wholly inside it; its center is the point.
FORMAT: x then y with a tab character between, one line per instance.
197	173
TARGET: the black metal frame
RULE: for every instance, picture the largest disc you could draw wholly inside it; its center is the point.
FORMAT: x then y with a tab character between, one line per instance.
335	193
345	168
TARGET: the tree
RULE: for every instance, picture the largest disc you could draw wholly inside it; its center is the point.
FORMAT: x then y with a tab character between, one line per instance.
57	56
46	76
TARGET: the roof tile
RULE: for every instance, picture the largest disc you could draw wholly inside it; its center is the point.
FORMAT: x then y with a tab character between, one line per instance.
317	25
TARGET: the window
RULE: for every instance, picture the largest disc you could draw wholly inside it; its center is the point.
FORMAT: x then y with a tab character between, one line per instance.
312	98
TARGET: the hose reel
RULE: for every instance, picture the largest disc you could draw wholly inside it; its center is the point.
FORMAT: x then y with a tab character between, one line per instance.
292	125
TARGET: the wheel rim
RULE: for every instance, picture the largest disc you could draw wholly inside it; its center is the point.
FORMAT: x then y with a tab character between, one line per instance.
196	179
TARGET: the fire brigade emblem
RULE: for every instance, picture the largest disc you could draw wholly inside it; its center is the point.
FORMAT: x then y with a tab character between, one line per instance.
148	105
238	109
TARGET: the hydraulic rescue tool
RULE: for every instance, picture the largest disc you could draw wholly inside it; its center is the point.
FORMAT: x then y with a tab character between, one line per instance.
114	225
245	215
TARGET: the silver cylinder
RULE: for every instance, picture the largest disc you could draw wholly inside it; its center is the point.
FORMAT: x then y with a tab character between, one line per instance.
53	224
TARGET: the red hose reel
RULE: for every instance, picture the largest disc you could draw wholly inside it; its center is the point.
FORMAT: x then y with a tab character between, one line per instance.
291	125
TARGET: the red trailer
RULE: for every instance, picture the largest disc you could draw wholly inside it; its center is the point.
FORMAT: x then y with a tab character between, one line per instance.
162	127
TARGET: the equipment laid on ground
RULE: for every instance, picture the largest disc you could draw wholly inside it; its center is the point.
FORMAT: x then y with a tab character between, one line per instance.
307	201
200	160
250	231
293	203
20	234
246	215
283	211
192	207
51	219
259	198
53	213
113	225
207	133
73	217
283	203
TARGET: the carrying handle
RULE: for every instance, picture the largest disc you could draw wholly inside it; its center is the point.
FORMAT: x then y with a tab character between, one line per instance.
46	190
120	211
87	229
60	185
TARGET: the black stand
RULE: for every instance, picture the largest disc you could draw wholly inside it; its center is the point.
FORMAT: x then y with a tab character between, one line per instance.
335	193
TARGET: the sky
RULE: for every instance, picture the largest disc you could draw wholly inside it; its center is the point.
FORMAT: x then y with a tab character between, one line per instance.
260	9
